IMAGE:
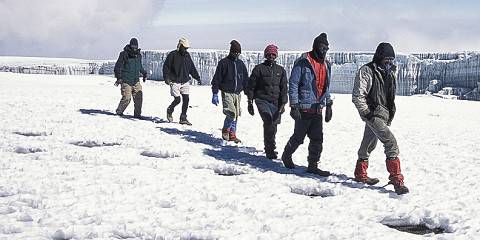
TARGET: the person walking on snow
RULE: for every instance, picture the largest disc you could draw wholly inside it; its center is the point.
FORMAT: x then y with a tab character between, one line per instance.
309	93
374	97
267	86
231	77
127	70
176	70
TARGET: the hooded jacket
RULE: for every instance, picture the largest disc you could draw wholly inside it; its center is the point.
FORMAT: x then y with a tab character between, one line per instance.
303	88
129	66
178	66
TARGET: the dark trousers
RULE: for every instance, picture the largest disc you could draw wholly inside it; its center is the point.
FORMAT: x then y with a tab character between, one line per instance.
309	125
271	118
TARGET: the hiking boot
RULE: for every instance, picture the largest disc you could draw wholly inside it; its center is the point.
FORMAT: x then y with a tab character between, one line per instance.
361	173
169	115
287	161
226	134
271	154
396	177
233	137
185	122
313	168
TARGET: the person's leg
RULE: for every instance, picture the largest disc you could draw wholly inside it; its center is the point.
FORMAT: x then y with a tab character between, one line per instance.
368	144
175	92
137	94
126	91
185	92
315	147
299	133
236	108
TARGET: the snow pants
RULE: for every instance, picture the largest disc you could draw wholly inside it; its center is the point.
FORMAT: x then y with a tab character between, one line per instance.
309	125
128	92
377	129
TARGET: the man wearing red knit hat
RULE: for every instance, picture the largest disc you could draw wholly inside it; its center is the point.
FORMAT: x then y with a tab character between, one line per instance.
267	86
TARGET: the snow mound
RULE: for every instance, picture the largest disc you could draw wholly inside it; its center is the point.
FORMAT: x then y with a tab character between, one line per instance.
6	210
30	133
24	217
9	229
27	150
421	217
62	235
93	143
222	169
160	154
6	192
314	190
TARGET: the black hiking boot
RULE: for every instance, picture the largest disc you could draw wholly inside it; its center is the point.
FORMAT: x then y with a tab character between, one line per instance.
169	115
185	122
313	168
271	154
399	188
287	161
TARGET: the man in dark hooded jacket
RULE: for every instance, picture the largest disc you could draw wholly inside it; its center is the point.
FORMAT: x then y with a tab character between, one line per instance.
309	94
177	69
231	77
267	86
127	70
374	97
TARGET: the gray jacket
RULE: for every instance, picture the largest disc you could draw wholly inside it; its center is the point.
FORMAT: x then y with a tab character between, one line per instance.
372	93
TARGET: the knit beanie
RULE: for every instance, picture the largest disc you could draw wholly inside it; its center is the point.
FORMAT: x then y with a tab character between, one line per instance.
322	38
271	49
235	47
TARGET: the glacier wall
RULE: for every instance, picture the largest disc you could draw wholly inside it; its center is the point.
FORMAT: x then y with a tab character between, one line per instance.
415	71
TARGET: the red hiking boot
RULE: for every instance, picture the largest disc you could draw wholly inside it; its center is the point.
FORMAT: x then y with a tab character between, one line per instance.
233	137
396	177
226	134
361	173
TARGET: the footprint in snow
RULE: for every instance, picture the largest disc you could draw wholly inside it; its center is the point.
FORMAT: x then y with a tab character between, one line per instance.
31	134
27	150
91	144
160	154
313	191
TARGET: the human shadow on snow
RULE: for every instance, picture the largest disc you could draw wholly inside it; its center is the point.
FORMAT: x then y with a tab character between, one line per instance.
94	112
246	156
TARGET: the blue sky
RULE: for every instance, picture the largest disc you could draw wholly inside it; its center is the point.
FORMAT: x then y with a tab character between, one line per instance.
95	29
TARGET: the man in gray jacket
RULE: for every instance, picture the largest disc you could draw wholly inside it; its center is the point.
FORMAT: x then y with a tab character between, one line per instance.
374	97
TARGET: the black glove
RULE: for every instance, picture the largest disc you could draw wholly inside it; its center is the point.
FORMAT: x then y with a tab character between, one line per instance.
118	82
328	113
167	81
144	78
250	108
295	113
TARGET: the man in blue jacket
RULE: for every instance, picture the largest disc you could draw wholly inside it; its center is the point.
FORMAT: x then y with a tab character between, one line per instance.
309	94
231	77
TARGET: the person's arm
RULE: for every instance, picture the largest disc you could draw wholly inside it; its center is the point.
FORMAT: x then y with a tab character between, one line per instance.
295	76
193	70
283	88
361	87
252	84
167	65
119	65
217	78
142	69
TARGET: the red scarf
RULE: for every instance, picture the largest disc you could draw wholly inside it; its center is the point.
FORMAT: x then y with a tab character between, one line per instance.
320	70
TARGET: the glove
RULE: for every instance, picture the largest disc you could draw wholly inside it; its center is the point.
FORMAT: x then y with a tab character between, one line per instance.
199	82
118	82
250	108
389	122
144	78
328	113
295	113
215	99
167	81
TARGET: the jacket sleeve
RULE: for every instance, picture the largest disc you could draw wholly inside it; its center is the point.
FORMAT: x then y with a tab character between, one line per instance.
119	65
217	78
245	77
193	69
142	69
167	66
328	96
361	87
252	84
295	76
283	88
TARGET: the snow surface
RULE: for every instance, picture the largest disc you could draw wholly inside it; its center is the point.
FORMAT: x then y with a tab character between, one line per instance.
71	169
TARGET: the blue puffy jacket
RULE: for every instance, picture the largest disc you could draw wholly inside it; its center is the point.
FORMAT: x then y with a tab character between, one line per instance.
302	88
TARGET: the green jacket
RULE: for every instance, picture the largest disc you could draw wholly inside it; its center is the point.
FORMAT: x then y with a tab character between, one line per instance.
129	66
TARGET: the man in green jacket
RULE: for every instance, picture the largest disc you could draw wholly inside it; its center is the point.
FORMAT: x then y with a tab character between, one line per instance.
127	70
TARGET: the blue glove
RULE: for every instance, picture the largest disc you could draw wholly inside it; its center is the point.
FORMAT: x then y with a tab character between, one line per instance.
215	99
